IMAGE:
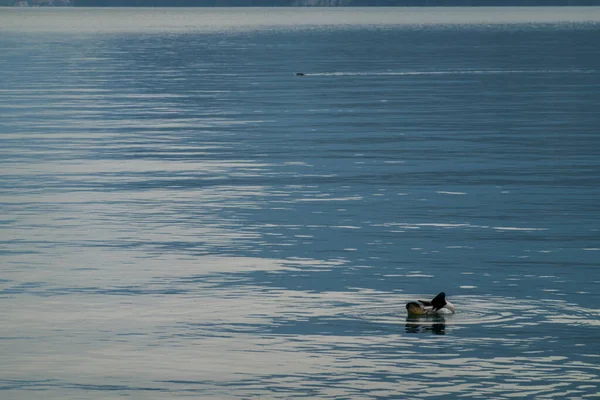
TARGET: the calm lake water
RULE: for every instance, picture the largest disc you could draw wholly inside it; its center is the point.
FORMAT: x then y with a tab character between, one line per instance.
184	217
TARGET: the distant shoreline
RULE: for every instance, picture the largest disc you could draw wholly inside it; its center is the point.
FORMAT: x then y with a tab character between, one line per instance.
303	3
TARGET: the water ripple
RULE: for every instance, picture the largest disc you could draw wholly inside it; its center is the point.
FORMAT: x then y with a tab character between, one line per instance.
186	217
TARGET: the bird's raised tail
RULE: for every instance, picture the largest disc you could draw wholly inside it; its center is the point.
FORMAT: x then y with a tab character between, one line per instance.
439	301
430	307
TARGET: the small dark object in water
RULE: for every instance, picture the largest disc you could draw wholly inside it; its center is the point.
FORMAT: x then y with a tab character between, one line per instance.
420	307
299	74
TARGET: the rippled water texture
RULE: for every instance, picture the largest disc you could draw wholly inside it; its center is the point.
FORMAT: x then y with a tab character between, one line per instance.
183	216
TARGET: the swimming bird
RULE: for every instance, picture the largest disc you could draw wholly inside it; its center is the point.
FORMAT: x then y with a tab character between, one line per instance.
438	305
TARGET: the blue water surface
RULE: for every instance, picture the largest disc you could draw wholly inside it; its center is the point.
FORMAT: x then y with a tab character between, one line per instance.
183	216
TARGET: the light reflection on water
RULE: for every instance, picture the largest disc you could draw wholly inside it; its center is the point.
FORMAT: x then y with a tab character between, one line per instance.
227	20
177	222
206	334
